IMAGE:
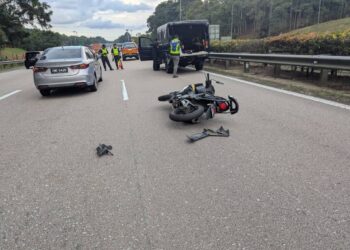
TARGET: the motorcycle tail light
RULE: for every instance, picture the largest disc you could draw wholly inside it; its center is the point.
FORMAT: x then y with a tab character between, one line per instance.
39	69
80	66
223	106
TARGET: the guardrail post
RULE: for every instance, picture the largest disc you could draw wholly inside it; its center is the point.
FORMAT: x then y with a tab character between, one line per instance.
211	62
277	69
246	67
227	64
324	75
334	73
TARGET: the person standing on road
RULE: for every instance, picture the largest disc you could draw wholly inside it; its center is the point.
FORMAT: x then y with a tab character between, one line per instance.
104	57
175	48
116	55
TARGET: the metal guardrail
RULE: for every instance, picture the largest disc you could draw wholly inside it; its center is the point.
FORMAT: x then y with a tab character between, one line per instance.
319	61
11	62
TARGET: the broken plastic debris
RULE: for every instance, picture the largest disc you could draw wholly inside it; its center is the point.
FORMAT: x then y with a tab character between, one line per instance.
103	149
221	132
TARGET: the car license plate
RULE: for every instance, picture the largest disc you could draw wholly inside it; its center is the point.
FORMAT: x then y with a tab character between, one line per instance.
59	70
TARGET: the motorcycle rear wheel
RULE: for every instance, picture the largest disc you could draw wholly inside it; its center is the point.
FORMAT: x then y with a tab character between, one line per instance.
178	116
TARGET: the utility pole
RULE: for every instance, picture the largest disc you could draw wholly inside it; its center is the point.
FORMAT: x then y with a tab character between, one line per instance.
232	21
319	11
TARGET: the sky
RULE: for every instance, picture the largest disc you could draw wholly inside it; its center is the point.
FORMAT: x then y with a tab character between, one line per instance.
106	18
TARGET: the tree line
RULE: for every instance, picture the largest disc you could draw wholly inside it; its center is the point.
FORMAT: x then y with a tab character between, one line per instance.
16	15
251	18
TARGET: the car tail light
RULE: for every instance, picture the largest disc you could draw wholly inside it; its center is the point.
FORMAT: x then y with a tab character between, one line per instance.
80	66
39	69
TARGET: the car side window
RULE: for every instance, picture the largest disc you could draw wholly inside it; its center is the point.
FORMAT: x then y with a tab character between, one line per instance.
89	55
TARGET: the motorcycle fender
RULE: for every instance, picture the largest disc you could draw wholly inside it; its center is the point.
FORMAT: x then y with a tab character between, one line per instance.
234	106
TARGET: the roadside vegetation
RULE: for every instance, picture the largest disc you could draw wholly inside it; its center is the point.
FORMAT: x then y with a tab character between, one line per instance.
11	54
331	38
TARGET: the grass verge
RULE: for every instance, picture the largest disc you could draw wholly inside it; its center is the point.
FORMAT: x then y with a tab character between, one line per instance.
11	54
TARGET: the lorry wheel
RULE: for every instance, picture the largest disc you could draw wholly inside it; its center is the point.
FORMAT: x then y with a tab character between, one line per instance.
199	66
156	66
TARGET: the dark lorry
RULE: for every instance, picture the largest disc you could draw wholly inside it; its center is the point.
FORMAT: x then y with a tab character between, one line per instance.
194	37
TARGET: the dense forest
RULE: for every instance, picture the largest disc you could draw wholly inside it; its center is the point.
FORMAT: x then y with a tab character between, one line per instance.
251	18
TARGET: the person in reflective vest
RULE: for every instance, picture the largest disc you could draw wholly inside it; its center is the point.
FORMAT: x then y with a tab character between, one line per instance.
175	51
116	55
104	57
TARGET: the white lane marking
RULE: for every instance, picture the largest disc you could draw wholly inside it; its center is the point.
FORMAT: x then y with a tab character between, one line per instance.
9	94
125	92
311	98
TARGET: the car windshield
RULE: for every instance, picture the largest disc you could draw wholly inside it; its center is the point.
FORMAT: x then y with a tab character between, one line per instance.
129	45
62	53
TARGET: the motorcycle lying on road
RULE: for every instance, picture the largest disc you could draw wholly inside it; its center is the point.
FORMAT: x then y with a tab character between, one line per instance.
198	101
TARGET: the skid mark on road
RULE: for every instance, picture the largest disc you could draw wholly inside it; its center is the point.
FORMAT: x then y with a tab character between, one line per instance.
311	98
125	92
9	94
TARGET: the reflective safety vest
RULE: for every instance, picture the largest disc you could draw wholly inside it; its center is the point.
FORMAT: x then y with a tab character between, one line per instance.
115	51
104	52
175	47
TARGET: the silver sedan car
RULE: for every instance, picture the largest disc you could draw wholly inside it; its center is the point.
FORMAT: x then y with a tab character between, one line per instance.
67	66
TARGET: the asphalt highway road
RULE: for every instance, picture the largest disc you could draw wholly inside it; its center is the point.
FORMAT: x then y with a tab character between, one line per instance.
280	181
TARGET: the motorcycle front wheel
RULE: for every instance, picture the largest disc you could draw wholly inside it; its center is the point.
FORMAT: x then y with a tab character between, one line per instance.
178	115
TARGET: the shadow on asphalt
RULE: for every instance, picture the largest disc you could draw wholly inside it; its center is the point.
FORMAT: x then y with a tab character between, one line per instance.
212	124
182	71
71	92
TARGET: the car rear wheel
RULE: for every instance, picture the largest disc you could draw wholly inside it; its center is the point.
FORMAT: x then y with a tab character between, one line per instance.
45	92
93	88
101	79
